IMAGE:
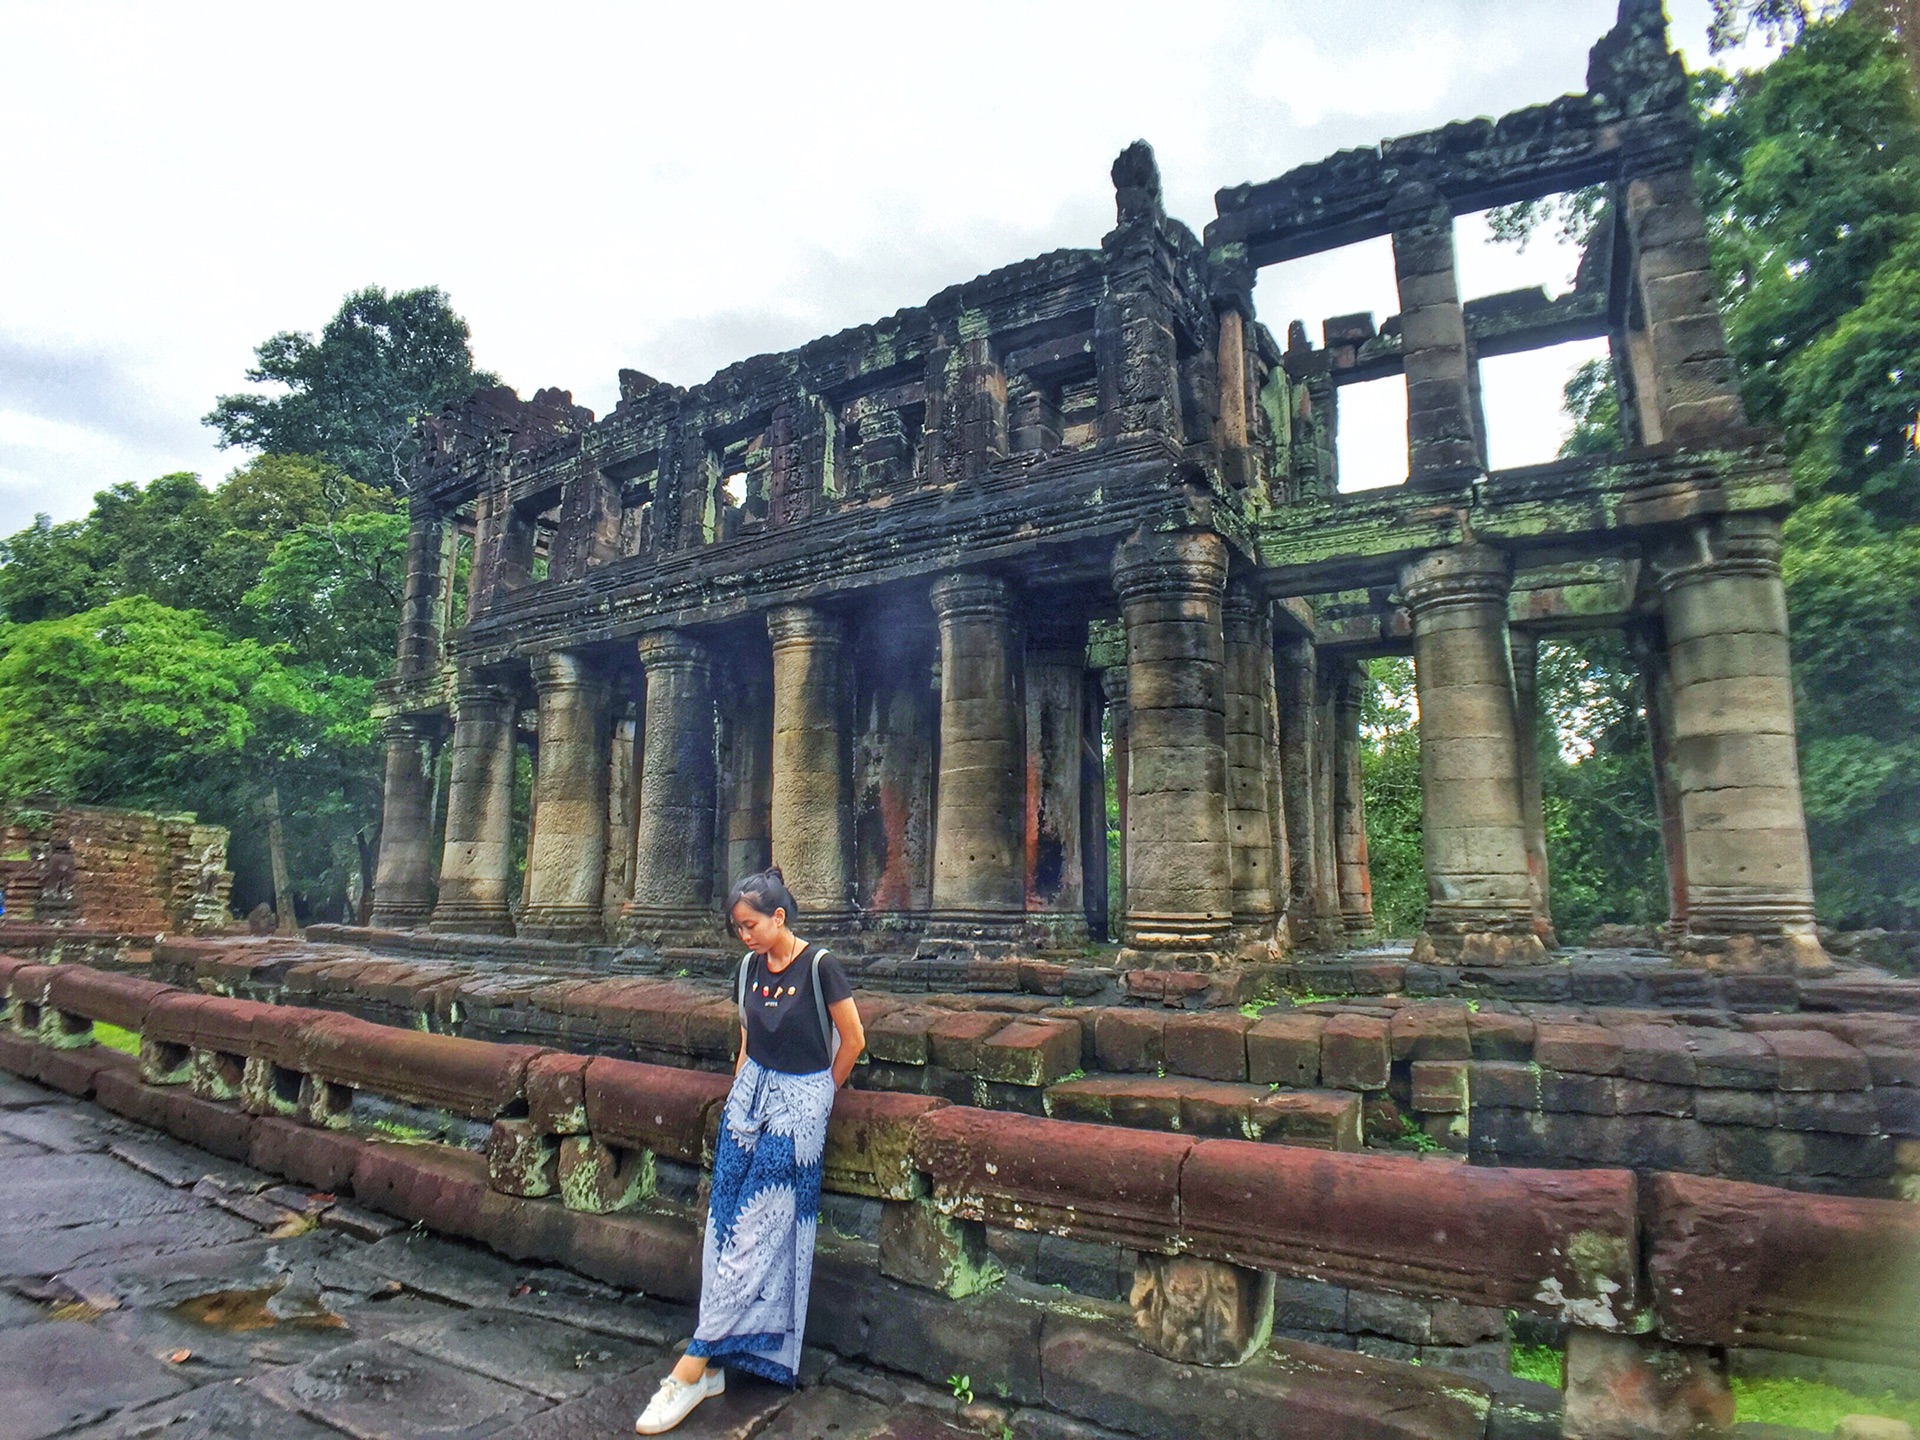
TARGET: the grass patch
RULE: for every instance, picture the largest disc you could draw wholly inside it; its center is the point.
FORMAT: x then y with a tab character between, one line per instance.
1799	1404
114	1038
1539	1363
1811	1405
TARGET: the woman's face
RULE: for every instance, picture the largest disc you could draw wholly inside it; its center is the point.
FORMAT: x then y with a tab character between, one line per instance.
758	932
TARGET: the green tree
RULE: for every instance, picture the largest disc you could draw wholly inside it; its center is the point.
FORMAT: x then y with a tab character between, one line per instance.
355	395
1390	780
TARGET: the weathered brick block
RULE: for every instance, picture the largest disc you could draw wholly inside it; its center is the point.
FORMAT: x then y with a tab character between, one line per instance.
1503	1085
1030	1052
1430	1032
1208	1047
1440	1086
1730	1059
1495	1035
1815	1060
901	1038
521	1159
1354	1053
1656	1052
1127	1039
953	1041
557	1093
1578	1049
1578	1094
1285	1050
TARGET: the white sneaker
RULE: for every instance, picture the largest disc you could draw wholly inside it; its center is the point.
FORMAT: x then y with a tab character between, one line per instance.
675	1399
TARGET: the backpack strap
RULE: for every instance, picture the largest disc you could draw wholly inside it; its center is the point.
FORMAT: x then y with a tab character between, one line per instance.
827	1033
740	987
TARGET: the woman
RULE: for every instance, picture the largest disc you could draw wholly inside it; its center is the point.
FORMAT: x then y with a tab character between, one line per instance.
764	1203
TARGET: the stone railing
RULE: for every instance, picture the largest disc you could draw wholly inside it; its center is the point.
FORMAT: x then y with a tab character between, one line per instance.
578	1153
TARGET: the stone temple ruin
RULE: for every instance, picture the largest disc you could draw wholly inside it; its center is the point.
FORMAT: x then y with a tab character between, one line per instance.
877	607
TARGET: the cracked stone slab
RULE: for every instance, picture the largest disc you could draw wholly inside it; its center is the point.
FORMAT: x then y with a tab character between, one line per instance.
827	1413
71	1130
54	1376
18	1094
377	1390
181	1166
211	1412
43	1251
76	1189
544	1356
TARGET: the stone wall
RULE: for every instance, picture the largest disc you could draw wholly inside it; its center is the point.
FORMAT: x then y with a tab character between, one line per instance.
125	870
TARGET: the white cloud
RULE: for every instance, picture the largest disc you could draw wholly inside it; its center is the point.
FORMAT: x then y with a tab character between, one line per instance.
656	184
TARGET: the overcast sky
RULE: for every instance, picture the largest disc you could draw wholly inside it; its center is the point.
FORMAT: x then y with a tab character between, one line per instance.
671	186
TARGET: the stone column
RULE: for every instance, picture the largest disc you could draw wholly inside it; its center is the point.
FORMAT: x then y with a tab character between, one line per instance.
978	889
1235	462
1249	681
1479	894
1693	389
1179	860
673	892
1113	684
1657	686
1349	802
1056	663
1326	825
422	605
567	854
1749	880
622	793
1526	711
1096	898
476	865
1312	910
1441	445
403	883
812	812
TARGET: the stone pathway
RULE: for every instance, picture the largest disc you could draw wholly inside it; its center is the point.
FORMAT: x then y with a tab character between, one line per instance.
148	1289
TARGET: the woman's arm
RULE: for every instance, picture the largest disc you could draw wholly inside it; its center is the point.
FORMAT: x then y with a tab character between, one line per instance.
853	1038
741	1058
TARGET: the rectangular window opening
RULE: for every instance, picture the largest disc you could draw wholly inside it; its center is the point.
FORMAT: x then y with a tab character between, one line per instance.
1370	436
1524	399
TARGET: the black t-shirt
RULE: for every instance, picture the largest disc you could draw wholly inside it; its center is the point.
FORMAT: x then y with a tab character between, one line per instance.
783	1024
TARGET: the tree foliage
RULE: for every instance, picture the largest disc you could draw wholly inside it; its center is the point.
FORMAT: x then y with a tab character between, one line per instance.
355	395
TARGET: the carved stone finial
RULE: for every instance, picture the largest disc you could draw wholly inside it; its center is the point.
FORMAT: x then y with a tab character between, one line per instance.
1136	184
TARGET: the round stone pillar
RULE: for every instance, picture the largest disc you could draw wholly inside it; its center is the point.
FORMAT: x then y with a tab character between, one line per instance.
1526	710
1113	685
1479	892
1249	683
1349	802
673	890
404	879
1748	877
476	865
1179	859
979	885
812	784
567	858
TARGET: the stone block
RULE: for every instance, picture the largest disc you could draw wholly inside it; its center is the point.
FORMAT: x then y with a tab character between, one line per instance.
1740	1264
1030	1051
600	1179
1301	1306
1354	1053
1625	1387
1839	1112
1284	1050
1504	1085
1144	1102
521	1159
1321	1120
469	1077
1092	1181
901	1037
1656	1052
953	1041
1503	1237
321	1160
1211	1046
1128	1039
934	1251
1456	1324
1815	1060
652	1107
1201	1312
869	1148
1440	1086
1732	1060
1430	1032
1394	1316
557	1093
1649	1097
120	1000
1578	1094
1578	1049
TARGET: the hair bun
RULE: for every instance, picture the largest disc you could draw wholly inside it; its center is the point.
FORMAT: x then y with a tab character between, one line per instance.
773	872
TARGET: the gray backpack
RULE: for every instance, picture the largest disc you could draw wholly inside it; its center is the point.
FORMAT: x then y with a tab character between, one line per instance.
827	1032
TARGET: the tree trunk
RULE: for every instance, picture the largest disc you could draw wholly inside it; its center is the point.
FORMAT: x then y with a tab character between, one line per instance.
277	852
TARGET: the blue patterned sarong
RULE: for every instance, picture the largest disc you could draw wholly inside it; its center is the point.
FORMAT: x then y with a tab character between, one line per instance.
763	1210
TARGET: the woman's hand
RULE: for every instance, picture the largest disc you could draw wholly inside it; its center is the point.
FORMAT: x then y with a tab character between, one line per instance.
853	1038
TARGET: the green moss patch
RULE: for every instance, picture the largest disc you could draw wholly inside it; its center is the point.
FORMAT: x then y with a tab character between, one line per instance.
114	1038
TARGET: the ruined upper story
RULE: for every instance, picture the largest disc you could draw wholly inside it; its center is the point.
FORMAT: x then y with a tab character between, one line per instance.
1043	410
